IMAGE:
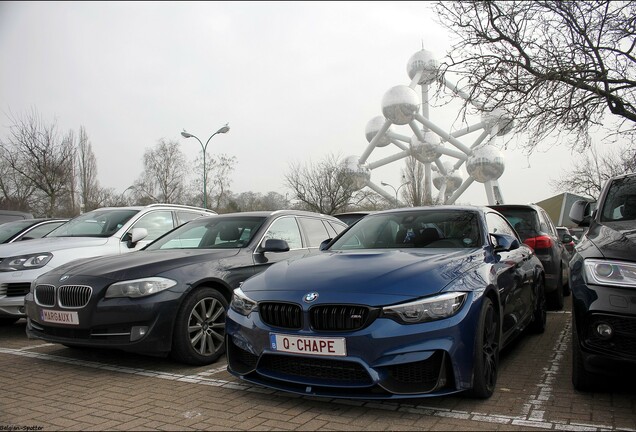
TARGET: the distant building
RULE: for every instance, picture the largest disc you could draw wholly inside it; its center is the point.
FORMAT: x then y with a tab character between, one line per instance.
558	207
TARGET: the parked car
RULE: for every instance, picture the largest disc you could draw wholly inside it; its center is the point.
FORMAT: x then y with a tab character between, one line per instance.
10	215
603	284
351	217
538	231
105	231
390	309
28	229
170	297
566	238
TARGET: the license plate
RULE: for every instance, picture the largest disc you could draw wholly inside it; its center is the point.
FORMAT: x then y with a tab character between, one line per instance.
308	345
59	317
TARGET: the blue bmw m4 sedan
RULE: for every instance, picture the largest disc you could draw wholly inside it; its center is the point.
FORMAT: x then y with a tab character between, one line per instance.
411	302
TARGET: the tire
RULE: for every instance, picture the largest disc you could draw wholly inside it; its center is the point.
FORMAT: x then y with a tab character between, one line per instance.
540	315
199	333
8	321
486	360
582	380
555	299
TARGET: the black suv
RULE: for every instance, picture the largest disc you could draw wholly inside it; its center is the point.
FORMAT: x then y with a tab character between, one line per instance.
603	284
537	230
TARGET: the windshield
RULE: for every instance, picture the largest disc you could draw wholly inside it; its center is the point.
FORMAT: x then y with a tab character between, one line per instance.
9	229
211	233
620	203
98	223
415	229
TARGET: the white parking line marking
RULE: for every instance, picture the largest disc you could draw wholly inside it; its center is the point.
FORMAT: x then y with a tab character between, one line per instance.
527	420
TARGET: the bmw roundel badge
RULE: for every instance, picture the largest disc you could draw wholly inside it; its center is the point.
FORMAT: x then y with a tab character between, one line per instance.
63	278
310	297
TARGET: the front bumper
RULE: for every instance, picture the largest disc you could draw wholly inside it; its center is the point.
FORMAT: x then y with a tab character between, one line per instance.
385	360
143	325
14	286
599	307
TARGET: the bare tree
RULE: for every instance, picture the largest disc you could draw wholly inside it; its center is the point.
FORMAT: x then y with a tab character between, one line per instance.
415	189
249	201
590	171
219	170
552	65
88	184
326	187
163	178
38	156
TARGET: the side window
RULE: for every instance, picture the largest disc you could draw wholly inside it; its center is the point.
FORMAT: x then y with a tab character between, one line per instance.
337	227
157	223
286	229
549	224
186	216
314	230
498	225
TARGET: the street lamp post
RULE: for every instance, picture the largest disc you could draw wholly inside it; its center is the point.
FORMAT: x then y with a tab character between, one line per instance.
395	190
185	134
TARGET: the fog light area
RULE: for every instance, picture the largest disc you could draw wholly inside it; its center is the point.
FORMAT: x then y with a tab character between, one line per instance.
138	332
604	330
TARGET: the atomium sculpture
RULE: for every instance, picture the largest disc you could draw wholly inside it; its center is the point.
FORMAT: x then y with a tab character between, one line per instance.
402	105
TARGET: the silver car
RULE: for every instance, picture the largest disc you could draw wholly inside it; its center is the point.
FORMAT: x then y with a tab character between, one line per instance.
105	231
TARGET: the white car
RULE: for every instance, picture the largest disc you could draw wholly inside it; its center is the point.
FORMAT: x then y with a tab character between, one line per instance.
105	231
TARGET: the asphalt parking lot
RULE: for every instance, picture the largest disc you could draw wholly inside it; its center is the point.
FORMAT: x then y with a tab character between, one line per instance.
51	387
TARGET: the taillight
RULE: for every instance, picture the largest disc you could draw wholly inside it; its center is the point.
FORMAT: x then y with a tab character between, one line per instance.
540	242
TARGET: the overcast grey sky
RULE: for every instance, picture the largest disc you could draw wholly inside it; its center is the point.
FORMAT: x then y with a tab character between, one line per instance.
295	80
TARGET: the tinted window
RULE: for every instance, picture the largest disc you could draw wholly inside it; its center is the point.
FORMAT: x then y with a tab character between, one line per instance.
315	231
286	229
620	203
524	220
498	225
9	229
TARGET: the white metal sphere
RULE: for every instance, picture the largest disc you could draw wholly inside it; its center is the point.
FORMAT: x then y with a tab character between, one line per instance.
423	61
360	174
453	179
485	164
373	127
497	117
429	149
400	104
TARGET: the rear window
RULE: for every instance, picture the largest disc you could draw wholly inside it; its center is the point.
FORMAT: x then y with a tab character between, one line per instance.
524	221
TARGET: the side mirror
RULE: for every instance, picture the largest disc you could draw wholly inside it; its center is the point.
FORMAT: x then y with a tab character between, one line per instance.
580	213
274	245
135	235
324	244
504	242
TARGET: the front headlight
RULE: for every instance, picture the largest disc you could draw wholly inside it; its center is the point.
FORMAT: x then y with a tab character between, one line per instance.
242	303
427	309
614	273
139	287
25	262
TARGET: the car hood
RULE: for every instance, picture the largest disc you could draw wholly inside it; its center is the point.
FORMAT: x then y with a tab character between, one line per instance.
49	244
139	264
615	240
393	272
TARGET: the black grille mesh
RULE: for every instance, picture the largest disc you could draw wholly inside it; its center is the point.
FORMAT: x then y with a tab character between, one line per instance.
325	369
284	315
74	296
339	317
45	295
